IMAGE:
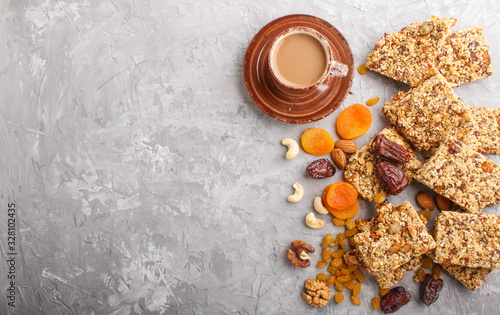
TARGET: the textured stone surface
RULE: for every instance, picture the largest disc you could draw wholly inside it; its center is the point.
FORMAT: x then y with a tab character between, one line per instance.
147	182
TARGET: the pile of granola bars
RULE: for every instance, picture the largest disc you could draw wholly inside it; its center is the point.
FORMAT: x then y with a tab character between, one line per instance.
432	119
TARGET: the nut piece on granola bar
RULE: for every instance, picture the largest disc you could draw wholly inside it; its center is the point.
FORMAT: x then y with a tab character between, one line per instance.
467	240
317	293
361	172
462	175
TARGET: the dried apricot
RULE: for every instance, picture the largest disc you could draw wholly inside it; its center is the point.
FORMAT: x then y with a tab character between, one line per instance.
339	298
317	141
372	101
347	213
354	121
362	69
339	196
376	303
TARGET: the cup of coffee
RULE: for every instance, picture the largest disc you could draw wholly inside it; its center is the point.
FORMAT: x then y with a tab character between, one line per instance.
301	58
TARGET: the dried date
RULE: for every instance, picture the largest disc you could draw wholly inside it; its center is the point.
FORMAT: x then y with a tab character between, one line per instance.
394	299
385	149
429	291
392	177
321	168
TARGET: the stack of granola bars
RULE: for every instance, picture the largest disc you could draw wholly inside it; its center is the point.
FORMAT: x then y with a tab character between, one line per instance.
454	136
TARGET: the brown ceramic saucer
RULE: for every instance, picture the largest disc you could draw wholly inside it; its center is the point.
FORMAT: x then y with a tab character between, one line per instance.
296	107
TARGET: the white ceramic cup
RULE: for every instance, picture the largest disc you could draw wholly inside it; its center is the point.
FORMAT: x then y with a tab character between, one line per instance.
332	67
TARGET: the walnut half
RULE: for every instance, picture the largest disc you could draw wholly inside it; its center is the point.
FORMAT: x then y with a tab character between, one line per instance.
298	254
317	293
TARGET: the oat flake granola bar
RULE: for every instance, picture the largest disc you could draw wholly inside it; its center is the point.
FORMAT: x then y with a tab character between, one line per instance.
465	57
360	170
468	240
398	236
428	113
408	55
462	175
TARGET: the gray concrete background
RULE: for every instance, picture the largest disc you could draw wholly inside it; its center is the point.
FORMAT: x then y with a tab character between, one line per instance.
146	181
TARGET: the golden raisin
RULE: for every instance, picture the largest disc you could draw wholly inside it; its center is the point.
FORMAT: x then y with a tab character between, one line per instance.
362	69
357	289
376	303
339	298
331	280
321	264
349	284
344	278
342	266
379	198
426	262
337	253
345	271
331	270
336	262
339	286
327	239
352	267
359	275
338	273
338	222
426	214
437	270
351	242
383	292
373	101
351	232
420	275
350	224
321	277
355	300
326	254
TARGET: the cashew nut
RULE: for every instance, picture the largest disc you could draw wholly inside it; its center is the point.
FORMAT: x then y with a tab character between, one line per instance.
299	193
318	206
312	222
293	148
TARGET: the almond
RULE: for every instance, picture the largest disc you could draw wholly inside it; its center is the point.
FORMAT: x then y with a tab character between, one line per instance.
339	158
394	249
425	201
443	203
347	146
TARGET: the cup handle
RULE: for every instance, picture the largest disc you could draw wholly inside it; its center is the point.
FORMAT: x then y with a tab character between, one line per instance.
338	69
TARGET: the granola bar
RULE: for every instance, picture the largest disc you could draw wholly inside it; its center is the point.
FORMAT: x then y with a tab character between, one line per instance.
397	237
487	134
462	175
468	240
465	57
409	55
388	279
360	170
429	112
472	278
